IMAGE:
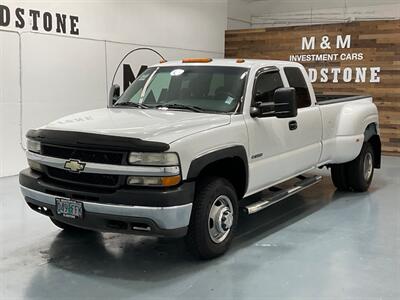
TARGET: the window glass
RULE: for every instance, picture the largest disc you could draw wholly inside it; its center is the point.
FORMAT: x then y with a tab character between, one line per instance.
217	84
296	80
266	85
210	88
157	88
136	90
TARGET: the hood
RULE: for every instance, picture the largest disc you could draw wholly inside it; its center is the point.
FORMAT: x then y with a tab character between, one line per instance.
146	124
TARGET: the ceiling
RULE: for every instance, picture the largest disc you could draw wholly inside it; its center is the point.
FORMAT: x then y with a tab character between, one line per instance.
263	7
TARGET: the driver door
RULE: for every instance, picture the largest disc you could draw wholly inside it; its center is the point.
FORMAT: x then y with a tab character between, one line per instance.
276	144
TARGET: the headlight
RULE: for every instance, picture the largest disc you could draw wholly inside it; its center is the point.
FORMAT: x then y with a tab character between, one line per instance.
154	159
166	160
33	146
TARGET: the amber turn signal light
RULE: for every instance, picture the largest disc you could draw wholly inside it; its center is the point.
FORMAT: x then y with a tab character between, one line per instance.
171	180
196	60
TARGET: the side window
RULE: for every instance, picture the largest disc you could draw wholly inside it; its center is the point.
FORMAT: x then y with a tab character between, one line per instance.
266	85
296	80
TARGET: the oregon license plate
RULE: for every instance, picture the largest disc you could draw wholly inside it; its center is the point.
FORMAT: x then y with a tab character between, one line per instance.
69	208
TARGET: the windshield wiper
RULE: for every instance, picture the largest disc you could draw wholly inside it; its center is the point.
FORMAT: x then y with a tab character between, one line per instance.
128	103
181	106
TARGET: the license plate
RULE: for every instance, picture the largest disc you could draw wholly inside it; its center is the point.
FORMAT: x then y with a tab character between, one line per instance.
69	208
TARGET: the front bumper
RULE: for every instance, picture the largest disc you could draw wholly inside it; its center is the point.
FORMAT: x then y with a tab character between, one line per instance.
167	213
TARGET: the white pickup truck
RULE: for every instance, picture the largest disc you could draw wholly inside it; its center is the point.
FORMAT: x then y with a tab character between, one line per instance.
182	149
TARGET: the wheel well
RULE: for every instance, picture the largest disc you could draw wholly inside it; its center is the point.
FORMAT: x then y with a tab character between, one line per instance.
371	136
233	169
375	142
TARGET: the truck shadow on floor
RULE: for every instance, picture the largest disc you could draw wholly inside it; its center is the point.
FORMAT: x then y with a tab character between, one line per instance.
154	259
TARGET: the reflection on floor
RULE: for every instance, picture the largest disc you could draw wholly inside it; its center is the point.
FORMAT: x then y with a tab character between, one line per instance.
319	244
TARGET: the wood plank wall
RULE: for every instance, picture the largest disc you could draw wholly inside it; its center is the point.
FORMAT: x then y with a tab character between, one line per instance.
378	41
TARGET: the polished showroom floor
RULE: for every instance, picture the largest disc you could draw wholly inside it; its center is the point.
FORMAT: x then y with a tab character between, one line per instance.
320	244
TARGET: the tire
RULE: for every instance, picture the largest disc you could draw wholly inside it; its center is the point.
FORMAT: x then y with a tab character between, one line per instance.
214	218
66	227
361	170
339	177
357	174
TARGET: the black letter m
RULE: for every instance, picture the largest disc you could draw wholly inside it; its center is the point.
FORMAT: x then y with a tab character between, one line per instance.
128	76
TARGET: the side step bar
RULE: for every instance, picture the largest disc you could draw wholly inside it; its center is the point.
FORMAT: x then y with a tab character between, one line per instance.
282	194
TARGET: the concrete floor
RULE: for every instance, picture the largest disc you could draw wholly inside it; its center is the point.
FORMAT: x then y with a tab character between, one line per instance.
320	244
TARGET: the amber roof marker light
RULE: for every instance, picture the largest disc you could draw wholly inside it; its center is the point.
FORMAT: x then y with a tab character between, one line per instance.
163	61
197	60
240	60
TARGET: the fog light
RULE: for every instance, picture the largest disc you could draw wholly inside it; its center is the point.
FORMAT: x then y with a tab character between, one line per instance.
154	181
34	165
133	180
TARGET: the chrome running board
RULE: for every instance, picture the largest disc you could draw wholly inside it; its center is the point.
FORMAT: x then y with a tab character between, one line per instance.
282	194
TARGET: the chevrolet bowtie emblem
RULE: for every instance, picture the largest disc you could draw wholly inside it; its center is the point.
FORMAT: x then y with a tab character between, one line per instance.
75	166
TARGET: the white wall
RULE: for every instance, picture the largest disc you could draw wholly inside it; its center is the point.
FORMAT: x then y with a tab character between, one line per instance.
239	14
9	106
62	74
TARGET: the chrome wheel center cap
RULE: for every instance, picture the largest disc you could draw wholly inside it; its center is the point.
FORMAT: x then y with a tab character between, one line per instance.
225	220
220	219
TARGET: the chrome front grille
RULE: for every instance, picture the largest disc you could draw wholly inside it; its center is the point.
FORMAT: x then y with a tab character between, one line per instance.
87	155
84	155
88	179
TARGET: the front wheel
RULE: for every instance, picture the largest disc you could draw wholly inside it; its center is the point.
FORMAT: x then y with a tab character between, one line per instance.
214	218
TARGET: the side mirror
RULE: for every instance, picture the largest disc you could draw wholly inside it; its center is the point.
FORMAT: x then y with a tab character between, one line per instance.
262	110
285	103
114	94
255	111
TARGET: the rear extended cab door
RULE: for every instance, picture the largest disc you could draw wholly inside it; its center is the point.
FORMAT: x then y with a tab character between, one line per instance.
283	148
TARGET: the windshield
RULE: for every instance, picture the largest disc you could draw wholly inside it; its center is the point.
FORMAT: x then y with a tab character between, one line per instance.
196	88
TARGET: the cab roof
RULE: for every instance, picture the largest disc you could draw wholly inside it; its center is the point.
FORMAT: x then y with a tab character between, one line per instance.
221	62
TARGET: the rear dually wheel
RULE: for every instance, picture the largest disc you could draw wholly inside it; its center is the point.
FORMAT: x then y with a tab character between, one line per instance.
357	174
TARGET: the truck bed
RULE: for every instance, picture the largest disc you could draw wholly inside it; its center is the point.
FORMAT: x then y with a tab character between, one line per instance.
330	99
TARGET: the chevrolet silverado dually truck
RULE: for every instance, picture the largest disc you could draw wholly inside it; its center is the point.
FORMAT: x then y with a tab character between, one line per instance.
181	151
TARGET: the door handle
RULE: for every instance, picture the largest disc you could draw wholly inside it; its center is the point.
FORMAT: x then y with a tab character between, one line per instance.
292	125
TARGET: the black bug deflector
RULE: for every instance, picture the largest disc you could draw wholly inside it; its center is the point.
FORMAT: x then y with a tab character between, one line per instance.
94	141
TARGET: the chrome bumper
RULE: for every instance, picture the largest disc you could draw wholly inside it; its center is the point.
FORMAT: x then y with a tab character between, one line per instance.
165	217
